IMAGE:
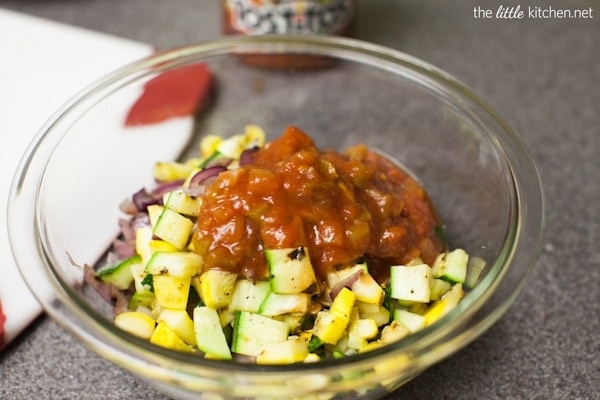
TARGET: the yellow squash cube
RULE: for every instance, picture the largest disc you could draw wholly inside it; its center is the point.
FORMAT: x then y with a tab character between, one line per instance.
172	292
165	337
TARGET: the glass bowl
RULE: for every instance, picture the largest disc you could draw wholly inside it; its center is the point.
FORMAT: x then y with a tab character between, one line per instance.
85	161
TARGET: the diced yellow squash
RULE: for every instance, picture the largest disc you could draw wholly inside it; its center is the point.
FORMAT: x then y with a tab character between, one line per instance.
171	292
231	147
312	357
393	332
329	327
343	303
366	328
215	287
136	323
441	307
366	289
375	344
290	351
360	332
168	171
180	322
160	245
225	316
436	311
165	337
143	236
253	136
208	145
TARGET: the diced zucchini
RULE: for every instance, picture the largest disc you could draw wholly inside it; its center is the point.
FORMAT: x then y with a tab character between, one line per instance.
438	288
290	270
252	332
183	203
475	267
173	228
166	337
141	299
215	287
411	283
279	303
180	322
172	292
451	266
179	264
210	337
136	323
412	321
248	295
154	211
290	351
119	274
376	312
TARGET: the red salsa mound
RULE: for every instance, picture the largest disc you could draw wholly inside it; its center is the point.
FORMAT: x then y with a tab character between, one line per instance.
344	207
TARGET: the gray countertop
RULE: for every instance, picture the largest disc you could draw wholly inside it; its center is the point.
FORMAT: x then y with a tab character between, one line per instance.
541	74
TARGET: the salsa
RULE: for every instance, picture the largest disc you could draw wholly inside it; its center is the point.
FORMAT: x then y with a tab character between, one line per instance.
343	207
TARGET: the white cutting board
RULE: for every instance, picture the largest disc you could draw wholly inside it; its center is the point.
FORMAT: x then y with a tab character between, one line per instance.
42	65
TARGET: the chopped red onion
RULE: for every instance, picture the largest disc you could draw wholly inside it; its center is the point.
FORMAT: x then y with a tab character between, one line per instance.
163	188
128	207
219	162
89	276
201	177
142	199
123	248
247	155
346	282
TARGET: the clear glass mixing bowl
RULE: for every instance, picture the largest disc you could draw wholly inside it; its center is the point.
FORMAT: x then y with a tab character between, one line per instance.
84	162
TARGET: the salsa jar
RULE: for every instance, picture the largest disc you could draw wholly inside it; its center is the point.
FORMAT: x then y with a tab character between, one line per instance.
260	17
288	17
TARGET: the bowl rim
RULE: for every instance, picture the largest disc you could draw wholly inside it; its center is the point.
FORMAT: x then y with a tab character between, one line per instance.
117	347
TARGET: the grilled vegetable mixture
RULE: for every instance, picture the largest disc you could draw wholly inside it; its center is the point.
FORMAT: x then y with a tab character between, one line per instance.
280	253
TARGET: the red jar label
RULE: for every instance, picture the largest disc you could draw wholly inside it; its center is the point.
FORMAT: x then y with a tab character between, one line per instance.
256	17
